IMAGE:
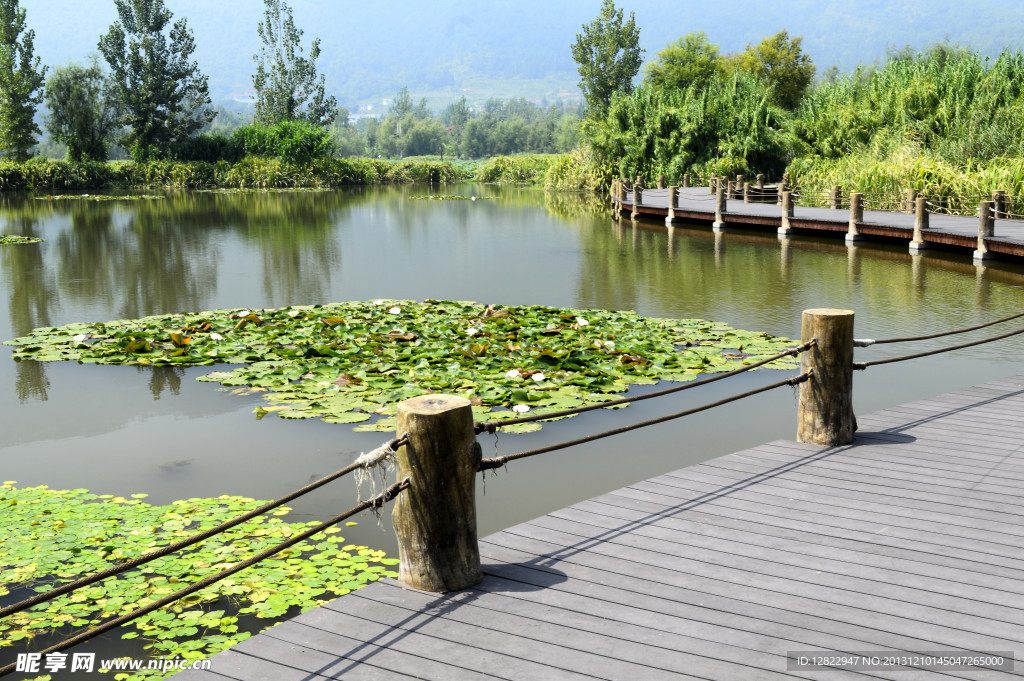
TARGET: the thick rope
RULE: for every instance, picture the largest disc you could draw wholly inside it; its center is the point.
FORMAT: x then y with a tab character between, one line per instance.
946	333
860	366
386	496
491	426
498	462
184	543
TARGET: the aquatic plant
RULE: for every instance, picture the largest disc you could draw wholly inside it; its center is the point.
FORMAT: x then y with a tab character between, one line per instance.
15	239
346	362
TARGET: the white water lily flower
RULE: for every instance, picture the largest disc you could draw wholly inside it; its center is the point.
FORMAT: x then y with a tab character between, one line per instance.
582	322
472	331
244	313
294	313
609	344
521	408
514	373
378	302
395	310
538	377
79	338
216	336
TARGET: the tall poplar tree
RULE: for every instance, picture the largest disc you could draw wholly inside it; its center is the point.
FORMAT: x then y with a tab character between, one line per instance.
608	55
164	98
287	88
21	80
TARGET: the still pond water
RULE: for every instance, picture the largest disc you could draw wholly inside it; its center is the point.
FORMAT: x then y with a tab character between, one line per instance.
122	430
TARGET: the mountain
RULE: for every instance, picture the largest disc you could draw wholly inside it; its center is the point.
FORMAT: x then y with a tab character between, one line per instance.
500	48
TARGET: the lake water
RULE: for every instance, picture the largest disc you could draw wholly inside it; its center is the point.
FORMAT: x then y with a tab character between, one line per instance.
121	430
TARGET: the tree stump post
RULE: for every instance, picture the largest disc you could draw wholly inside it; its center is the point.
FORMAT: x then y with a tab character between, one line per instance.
435	518
673	198
686	180
713	184
738	186
661	181
825	411
638	197
720	206
856	217
746	192
920	224
787	212
836	197
999	204
911	200
778	192
760	180
986	229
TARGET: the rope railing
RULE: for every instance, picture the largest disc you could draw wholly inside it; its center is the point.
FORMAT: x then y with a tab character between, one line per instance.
866	342
377	501
492	426
498	462
860	366
370	459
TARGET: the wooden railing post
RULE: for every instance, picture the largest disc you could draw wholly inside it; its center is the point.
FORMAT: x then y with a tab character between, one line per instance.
787	212
781	188
836	197
638	196
661	181
999	204
746	192
986	229
686	180
435	518
738	187
910	201
920	224
760	180
856	217
673	198
712	184
721	194
825	411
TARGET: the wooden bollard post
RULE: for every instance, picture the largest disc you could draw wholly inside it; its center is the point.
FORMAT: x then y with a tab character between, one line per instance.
746	192
638	196
920	224
661	181
435	518
713	184
787	212
986	229
856	217
720	207
686	180
825	411
673	198
999	204
729	189
760	180
738	186
911	200
778	192
836	197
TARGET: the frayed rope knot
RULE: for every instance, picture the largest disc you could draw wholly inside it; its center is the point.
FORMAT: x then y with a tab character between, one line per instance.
380	461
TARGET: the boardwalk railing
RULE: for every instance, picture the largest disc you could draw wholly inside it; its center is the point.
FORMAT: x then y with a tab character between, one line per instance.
988	208
435	521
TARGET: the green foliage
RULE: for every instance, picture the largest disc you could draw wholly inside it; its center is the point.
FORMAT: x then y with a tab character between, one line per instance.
6	239
56	536
514	169
346	362
729	121
163	96
83	110
782	65
21	80
296	142
608	56
577	170
691	60
207	147
287	88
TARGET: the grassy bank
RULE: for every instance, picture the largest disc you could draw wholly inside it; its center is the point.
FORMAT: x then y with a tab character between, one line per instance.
577	170
250	172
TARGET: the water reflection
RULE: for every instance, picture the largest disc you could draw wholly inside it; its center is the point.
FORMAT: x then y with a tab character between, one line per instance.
163	378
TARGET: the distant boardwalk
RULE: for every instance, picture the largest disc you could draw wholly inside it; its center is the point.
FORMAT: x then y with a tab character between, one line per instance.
952	231
909	541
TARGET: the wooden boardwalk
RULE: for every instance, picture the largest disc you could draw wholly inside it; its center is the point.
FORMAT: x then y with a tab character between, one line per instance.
953	231
910	540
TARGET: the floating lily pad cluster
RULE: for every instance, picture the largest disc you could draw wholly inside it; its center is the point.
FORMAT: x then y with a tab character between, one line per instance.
450	197
347	362
15	239
264	190
97	197
52	537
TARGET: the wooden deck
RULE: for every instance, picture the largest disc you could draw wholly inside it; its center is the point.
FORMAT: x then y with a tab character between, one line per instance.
951	231
910	540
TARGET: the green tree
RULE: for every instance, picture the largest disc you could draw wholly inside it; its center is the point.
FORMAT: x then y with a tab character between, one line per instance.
21	80
83	113
287	88
780	63
402	103
691	60
608	56
163	97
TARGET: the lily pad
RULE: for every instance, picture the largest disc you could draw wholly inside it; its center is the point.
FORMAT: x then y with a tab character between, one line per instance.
450	197
97	197
15	239
346	362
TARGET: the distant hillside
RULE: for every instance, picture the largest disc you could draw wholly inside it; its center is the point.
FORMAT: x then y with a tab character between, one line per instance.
521	48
